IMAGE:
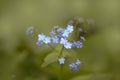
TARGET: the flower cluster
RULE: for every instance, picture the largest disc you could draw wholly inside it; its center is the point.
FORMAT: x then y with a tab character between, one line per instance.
59	35
75	66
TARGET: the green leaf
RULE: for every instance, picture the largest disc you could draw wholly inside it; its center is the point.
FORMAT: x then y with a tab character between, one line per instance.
50	58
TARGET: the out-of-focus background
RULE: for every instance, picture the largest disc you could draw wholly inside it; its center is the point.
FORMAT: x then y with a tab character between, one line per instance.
20	58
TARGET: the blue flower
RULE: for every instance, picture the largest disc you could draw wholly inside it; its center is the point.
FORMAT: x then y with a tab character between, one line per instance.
52	33
62	60
60	31
69	28
55	39
47	40
39	42
65	33
78	62
77	44
63	41
68	45
73	67
41	37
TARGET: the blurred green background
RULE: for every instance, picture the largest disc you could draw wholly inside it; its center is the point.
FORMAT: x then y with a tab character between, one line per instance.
20	58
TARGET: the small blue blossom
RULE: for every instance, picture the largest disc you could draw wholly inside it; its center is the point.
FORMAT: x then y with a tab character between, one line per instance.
68	45
62	60
63	41
60	31
52	33
73	67
77	44
55	39
47	40
78	62
65	33
39	42
41	37
69	28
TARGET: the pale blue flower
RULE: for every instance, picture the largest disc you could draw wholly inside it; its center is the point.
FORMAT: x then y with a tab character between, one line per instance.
47	40
73	67
68	45
63	41
41	37
60	31
52	33
77	44
65	33
55	39
69	28
62	60
39	42
78	62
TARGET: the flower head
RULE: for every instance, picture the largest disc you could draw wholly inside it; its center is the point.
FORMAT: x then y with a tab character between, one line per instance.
39	42
63	41
73	67
47	40
62	60
69	28
60	31
77	44
52	33
68	45
78	62
55	39
65	33
41	37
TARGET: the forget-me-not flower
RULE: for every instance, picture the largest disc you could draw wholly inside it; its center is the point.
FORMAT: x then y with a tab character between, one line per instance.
78	62
47	40
73	67
55	39
41	37
63	41
62	60
69	28
68	45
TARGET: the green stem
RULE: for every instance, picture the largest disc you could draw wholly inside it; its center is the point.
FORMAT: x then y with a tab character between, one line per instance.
61	66
61	51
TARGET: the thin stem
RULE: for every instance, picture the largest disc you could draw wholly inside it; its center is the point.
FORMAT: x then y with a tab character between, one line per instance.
61	66
61	51
61	72
52	47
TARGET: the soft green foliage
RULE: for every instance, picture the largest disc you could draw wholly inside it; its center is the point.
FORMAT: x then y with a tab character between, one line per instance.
50	58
